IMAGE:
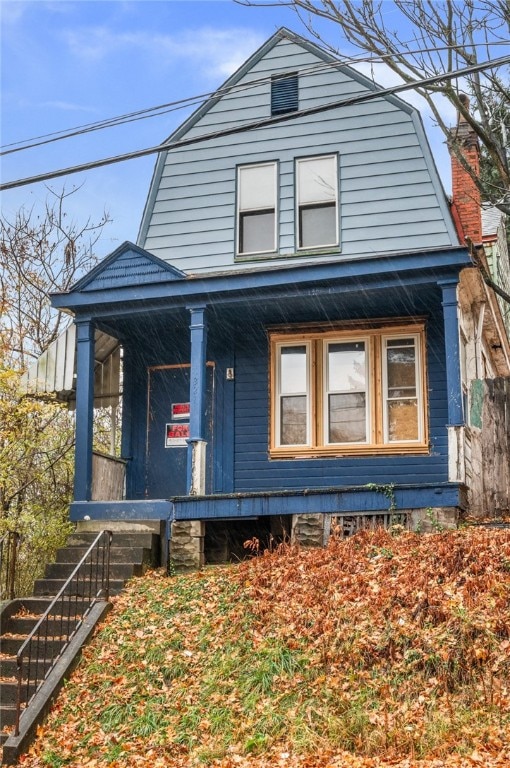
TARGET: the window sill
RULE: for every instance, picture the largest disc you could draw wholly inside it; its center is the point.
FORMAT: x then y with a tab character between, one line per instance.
264	255
336	451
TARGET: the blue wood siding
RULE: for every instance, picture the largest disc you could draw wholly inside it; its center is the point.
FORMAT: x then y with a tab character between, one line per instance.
390	195
238	339
254	471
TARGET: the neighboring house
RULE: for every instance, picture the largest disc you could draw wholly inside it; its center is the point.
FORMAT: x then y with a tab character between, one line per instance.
292	344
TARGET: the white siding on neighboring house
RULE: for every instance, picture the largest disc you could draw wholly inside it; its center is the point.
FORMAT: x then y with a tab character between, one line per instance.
496	249
390	198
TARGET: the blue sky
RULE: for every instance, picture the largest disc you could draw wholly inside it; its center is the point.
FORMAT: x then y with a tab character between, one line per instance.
67	63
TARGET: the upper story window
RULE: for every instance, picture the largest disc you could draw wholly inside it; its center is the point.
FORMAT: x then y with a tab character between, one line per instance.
317	202
284	94
256	206
353	392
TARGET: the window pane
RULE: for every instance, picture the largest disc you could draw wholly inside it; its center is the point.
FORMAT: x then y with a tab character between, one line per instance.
346	366
401	367
293	370
257	232
257	187
317	226
293	420
317	180
403	420
347	418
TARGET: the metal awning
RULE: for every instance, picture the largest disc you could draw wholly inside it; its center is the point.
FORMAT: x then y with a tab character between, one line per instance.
54	373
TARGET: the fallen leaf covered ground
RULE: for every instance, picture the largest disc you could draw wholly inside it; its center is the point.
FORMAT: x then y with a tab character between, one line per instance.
380	650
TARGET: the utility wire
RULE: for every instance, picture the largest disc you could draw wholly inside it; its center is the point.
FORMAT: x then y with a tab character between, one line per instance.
262	123
162	109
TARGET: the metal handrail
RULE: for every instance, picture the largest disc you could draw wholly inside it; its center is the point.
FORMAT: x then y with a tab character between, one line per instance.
88	583
9	544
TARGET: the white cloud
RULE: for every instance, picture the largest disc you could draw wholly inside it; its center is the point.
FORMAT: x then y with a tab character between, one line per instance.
66	106
214	52
219	51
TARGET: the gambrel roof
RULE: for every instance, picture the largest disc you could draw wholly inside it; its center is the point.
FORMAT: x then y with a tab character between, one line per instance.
391	197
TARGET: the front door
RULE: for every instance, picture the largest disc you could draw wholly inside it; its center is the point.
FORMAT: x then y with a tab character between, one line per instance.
168	421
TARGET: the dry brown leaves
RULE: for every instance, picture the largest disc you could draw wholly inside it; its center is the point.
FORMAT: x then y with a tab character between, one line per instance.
420	624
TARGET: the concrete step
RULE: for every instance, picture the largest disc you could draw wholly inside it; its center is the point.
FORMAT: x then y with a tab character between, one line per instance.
117	570
49	646
9	689
29	605
8	667
118	554
7	715
122	539
25	623
83	588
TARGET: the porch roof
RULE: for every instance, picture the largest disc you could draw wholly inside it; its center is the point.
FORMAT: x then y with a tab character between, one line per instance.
54	372
98	298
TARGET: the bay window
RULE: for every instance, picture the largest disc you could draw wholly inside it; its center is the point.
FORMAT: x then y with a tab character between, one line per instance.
256	206
317	201
348	391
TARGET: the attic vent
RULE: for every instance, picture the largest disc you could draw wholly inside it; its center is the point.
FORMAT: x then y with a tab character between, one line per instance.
284	94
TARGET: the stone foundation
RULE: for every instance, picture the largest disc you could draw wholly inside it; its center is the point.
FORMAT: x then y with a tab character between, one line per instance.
187	545
433	519
310	530
314	530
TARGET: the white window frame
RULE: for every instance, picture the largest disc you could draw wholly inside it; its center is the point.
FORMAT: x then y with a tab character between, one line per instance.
325	426
240	211
280	395
418	373
298	205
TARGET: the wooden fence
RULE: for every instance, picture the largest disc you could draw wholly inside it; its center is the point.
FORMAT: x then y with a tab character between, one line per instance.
488	448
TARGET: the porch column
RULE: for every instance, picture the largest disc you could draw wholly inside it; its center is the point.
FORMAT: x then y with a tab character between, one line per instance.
84	410
452	349
196	441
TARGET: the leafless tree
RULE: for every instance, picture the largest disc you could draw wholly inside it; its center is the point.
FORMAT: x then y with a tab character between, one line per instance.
420	39
39	254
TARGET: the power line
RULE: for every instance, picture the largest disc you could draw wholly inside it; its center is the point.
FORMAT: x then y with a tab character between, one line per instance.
262	123
163	109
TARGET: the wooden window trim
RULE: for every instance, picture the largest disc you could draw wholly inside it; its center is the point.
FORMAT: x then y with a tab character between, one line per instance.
375	334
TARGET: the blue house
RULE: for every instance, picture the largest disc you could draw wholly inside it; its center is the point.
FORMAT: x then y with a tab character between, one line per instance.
289	319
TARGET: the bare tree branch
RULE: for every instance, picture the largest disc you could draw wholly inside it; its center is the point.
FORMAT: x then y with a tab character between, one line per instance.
445	35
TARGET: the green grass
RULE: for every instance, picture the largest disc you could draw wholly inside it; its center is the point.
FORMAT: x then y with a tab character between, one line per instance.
204	666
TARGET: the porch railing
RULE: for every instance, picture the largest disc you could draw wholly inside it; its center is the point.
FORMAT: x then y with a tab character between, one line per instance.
9	545
88	583
108	477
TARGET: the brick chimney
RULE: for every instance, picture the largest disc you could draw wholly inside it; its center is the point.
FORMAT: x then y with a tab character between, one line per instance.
466	200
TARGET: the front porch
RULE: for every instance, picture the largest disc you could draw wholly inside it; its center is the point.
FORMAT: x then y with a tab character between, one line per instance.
307	515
